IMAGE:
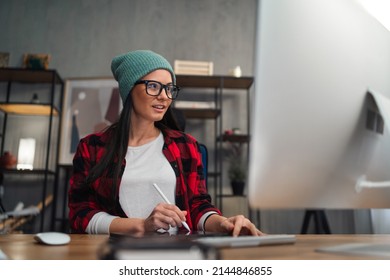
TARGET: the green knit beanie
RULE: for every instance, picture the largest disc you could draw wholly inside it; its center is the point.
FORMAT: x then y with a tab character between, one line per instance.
130	67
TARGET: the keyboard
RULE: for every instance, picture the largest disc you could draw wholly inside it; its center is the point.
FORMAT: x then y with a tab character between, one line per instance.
246	241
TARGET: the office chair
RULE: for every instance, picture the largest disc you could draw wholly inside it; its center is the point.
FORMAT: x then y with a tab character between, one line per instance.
205	160
181	121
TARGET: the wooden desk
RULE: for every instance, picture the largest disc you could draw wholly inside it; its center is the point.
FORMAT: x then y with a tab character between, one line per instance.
24	247
82	246
305	248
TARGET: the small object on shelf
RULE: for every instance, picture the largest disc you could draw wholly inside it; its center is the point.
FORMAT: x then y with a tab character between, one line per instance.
237	169
237	175
236	131
236	72
238	187
233	131
36	61
35	99
4	59
190	67
26	154
195	104
7	160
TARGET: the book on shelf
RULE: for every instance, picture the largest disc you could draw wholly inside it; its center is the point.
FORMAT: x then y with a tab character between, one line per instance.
194	105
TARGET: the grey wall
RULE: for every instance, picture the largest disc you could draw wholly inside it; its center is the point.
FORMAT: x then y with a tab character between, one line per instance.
83	36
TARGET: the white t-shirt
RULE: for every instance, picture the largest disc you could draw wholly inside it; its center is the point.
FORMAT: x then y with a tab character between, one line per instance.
146	165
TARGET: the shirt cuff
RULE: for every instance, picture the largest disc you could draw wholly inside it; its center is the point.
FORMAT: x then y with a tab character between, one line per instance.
201	223
100	223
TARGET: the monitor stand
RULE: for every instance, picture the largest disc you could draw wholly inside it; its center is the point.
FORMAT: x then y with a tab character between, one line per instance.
320	222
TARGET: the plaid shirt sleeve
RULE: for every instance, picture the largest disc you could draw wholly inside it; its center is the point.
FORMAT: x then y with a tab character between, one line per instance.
87	200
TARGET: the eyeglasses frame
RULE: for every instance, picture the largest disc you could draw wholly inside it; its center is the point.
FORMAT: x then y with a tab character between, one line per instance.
165	87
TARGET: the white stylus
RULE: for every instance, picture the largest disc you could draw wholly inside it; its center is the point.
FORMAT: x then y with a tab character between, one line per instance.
167	201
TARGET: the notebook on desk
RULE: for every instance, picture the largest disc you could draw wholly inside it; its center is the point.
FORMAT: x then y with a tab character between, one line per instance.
122	246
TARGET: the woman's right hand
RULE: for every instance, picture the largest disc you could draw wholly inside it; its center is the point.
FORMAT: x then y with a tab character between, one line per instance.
163	216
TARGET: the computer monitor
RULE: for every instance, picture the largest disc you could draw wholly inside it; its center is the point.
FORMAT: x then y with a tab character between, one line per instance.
322	86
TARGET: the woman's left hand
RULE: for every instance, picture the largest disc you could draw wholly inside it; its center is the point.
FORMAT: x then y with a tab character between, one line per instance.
239	225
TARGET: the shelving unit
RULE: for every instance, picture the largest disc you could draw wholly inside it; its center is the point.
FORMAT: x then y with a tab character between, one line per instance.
188	82
218	84
18	86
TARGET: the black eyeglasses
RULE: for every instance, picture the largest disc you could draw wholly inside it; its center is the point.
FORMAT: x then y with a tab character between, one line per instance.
155	88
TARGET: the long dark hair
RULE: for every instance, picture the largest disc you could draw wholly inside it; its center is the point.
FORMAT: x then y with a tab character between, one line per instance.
116	149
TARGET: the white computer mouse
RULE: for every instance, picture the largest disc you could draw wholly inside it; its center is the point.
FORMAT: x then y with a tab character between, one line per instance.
52	238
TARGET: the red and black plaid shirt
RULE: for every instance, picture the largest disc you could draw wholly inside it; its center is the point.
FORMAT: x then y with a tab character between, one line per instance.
180	149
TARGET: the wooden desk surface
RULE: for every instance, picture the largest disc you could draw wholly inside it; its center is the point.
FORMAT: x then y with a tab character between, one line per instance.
82	246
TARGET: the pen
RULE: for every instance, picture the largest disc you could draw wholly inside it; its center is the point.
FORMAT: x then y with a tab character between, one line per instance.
167	201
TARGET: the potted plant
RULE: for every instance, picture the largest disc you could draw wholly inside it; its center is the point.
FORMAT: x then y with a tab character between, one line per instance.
237	176
237	169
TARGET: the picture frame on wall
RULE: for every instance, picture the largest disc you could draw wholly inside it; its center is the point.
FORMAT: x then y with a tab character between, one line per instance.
36	61
89	106
4	59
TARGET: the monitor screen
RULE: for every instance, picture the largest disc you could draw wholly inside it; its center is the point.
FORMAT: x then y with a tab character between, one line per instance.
322	86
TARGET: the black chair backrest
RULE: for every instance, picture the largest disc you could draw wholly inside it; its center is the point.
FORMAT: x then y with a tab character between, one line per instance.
205	160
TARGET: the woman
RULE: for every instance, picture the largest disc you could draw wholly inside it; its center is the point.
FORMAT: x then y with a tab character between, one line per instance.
115	171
